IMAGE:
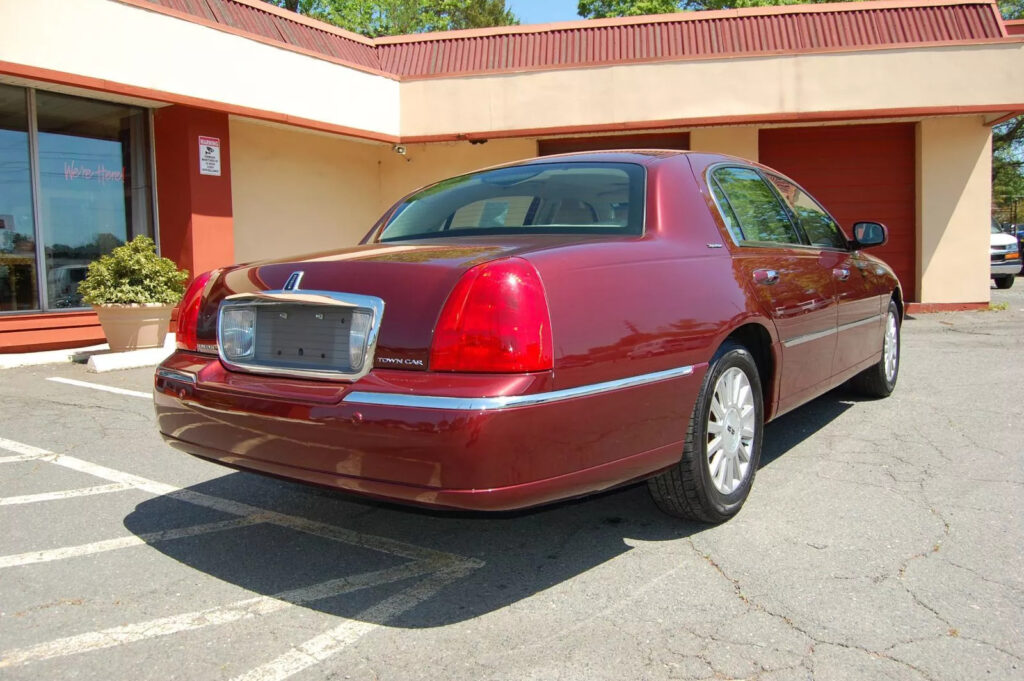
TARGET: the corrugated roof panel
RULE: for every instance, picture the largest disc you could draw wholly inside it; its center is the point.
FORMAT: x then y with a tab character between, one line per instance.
197	8
689	35
243	16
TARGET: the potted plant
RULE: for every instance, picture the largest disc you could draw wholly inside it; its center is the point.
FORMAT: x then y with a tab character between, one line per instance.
133	291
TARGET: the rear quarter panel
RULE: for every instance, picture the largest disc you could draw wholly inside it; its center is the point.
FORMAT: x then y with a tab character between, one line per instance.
628	307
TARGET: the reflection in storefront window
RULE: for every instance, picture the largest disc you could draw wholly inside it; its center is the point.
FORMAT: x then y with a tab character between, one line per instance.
94	185
17	225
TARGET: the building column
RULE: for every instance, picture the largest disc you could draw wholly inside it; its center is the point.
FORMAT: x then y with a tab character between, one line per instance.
193	189
954	204
736	141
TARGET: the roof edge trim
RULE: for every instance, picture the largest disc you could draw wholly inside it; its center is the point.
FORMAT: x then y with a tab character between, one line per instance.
36	73
391	57
846	115
1009	40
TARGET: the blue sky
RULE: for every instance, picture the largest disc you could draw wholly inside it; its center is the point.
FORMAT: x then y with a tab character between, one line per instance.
543	11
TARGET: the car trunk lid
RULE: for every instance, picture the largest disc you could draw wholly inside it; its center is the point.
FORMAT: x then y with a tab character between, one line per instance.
413	279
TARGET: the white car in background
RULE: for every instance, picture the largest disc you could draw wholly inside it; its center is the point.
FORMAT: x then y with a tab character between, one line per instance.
1005	256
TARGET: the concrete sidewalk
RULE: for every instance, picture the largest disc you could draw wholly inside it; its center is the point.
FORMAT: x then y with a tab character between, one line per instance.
98	358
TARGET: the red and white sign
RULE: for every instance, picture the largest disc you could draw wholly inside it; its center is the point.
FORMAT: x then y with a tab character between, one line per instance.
209	155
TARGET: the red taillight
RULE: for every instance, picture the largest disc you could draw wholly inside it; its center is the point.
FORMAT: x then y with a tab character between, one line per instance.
495	320
188	313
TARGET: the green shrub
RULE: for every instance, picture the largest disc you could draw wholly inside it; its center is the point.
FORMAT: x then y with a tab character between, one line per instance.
133	273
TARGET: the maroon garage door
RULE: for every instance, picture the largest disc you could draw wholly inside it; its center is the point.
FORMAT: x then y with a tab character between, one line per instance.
570	145
860	172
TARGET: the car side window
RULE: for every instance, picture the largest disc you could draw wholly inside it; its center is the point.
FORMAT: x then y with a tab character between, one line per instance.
760	215
726	210
817	224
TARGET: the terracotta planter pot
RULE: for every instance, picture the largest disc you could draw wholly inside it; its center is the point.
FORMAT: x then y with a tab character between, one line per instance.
133	327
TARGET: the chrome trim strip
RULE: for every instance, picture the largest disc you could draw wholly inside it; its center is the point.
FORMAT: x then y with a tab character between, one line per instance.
860	322
373	304
174	375
808	337
509	401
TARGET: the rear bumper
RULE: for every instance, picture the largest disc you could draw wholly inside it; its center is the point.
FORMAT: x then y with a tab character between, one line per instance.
447	450
507	498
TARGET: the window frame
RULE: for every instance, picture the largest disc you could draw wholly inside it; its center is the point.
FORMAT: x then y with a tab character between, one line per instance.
745	242
639	185
805	244
796	218
42	281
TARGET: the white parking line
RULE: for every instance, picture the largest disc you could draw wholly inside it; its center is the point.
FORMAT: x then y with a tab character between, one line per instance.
440	568
189	621
66	494
25	451
319	648
25	457
237	508
99	386
32	557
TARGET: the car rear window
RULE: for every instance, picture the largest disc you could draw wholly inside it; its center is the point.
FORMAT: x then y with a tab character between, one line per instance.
540	198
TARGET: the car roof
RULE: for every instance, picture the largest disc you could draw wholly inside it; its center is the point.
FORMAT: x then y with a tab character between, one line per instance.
644	157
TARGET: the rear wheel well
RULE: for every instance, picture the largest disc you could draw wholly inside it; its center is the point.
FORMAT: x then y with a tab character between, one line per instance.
756	339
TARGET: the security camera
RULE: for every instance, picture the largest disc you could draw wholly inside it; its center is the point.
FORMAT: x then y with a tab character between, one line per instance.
398	149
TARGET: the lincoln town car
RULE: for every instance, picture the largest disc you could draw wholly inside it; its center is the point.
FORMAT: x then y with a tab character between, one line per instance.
538	331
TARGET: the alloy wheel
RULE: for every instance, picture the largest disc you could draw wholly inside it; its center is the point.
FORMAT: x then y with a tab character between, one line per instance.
730	432
891	351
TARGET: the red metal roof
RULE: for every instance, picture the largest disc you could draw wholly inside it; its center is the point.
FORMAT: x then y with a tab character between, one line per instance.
267	21
771	30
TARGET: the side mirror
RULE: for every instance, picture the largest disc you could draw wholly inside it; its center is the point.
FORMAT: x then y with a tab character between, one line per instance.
868	234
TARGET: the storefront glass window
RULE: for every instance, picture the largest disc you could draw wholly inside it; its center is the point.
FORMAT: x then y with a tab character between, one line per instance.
94	189
18	278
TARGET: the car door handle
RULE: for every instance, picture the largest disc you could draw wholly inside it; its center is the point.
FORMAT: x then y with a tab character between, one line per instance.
766	277
841	273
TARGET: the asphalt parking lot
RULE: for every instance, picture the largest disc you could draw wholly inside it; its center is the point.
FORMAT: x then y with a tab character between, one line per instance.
882	540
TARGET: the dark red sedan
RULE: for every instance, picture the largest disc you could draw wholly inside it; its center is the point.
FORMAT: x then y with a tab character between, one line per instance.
539	331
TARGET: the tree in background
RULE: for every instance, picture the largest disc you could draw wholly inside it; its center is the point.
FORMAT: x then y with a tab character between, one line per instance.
1012	9
1007	139
598	9
1008	150
1008	170
374	18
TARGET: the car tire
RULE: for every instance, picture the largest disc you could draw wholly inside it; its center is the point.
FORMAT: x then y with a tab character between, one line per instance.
711	486
880	380
1004	281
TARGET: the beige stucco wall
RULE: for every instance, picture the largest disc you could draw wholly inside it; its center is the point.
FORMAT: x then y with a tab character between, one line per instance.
954	194
737	141
689	90
124	44
426	163
294	191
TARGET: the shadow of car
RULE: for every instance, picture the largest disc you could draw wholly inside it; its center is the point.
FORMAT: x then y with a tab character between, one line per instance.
515	554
